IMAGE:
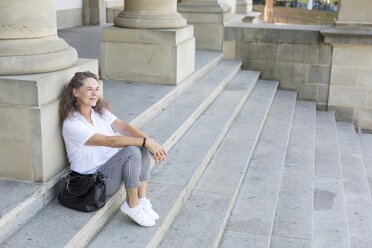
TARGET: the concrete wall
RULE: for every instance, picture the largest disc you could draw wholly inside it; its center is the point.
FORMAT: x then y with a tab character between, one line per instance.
69	13
294	55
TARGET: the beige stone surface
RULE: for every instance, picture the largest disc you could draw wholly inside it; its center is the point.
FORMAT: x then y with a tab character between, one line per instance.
352	55
322	94
94	12
364	78
229	50
297	53
28	40
319	74
342	75
347	96
29	128
67	18
150	14
167	55
208	18
354	13
209	36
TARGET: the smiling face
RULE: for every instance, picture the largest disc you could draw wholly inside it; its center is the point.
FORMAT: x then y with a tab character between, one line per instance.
87	95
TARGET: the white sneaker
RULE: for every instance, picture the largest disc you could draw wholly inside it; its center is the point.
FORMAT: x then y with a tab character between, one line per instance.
148	208
137	214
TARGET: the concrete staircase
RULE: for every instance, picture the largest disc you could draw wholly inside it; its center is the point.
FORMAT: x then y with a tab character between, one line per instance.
249	166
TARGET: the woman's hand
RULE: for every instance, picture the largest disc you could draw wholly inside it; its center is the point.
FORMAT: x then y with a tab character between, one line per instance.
156	150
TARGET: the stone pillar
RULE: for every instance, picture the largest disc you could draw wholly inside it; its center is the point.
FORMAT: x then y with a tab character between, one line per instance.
354	14
150	14
35	64
350	90
243	6
94	12
28	38
208	18
151	43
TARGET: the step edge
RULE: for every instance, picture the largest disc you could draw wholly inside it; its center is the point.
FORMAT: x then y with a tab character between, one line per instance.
241	180
185	194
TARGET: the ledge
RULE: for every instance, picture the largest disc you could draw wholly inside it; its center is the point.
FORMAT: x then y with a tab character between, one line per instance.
339	35
271	33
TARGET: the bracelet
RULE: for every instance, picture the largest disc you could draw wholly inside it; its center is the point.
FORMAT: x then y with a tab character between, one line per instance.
144	142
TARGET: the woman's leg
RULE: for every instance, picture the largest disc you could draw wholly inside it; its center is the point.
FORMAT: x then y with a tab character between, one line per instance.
145	172
124	166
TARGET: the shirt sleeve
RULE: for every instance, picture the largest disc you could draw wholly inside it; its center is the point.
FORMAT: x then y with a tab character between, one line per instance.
76	131
109	117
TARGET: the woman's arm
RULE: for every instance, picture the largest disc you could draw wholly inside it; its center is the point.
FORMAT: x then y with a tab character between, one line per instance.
131	137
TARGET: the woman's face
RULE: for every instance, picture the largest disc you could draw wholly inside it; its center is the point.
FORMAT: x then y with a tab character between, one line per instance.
87	95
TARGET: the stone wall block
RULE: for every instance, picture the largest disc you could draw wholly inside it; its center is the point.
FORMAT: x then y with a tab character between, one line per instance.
369	99
347	96
292	73
324	54
352	56
319	74
342	75
322	94
297	53
257	51
364	78
307	92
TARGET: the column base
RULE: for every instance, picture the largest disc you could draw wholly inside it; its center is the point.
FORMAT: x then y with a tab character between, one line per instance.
208	21
139	20
38	55
164	56
30	135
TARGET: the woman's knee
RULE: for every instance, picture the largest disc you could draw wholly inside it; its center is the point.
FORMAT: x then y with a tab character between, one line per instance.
134	152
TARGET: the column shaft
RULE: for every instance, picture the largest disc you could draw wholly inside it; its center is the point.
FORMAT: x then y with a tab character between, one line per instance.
28	38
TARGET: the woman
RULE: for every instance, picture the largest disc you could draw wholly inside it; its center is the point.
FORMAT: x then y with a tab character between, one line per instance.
92	136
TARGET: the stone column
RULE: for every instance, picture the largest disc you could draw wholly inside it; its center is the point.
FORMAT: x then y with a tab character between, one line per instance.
150	14
35	64
350	90
208	18
94	12
28	38
151	43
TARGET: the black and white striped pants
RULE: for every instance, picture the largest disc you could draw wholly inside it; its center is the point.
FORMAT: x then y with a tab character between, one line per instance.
129	165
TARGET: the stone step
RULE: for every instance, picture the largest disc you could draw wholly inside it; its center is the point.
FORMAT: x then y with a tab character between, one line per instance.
141	102
293	218
365	142
136	103
172	183
357	195
250	223
215	190
330	227
182	113
85	227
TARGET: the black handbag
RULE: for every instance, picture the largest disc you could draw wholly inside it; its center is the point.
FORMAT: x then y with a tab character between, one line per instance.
83	192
